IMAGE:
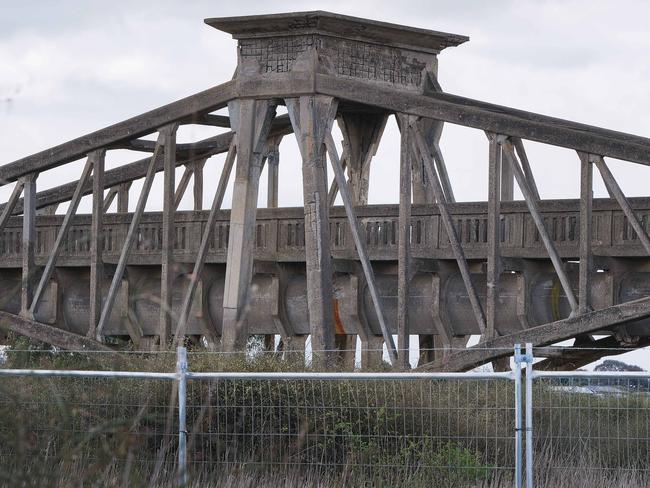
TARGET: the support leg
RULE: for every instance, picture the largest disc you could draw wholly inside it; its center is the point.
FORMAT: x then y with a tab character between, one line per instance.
312	118
493	237
251	120
496	176
123	197
168	235
29	236
404	248
372	351
586	258
272	164
273	161
198	184
97	243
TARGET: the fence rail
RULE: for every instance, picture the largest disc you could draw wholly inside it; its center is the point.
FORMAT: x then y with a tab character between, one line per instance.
457	429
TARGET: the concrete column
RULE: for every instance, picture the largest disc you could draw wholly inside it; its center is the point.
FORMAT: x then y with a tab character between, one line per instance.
251	120
312	118
493	237
272	162
198	184
29	238
168	235
123	197
404	248
97	242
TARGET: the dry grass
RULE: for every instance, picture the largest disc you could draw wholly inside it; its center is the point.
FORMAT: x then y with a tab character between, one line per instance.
114	476
65	432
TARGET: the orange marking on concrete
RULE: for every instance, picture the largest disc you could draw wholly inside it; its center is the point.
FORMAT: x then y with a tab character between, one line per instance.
338	325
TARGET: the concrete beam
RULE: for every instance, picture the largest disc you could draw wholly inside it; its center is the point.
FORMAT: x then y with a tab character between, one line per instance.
542	335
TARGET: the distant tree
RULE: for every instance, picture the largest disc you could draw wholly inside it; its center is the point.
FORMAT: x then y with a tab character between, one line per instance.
613	365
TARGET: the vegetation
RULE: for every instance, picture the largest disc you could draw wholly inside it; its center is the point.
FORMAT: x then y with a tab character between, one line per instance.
457	433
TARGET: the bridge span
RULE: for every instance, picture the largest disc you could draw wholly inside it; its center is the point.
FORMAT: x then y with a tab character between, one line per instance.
535	270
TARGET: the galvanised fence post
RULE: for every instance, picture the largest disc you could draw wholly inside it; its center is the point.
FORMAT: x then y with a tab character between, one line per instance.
181	372
529	415
518	416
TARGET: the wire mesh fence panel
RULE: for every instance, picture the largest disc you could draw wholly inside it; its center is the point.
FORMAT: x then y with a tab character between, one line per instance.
595	426
110	431
375	432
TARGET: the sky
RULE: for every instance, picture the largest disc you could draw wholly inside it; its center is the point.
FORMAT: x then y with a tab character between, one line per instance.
70	67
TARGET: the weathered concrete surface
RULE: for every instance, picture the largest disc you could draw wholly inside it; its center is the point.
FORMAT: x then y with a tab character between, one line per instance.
464	269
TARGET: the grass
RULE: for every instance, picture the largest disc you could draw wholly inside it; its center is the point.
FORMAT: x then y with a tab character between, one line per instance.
457	433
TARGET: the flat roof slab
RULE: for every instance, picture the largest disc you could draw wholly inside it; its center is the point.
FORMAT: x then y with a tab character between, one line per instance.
336	25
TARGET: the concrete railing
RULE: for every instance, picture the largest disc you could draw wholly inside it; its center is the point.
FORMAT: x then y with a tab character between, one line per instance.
279	233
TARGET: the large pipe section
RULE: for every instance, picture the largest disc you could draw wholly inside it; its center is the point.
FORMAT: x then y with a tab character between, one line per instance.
528	297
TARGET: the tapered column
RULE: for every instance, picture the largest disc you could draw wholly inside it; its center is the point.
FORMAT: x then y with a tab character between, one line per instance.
198	184
272	163
493	236
97	242
168	230
312	118
404	247
421	191
586	257
29	236
507	183
251	121
123	197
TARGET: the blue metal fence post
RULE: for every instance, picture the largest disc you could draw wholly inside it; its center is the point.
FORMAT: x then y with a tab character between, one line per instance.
518	417
181	372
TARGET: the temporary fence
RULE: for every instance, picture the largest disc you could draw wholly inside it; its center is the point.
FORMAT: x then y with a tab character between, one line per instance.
387	428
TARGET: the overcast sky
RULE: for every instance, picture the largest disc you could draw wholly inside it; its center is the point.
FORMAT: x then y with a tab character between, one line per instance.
73	66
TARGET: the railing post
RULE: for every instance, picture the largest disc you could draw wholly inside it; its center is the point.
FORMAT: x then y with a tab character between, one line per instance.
181	371
529	415
518	416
